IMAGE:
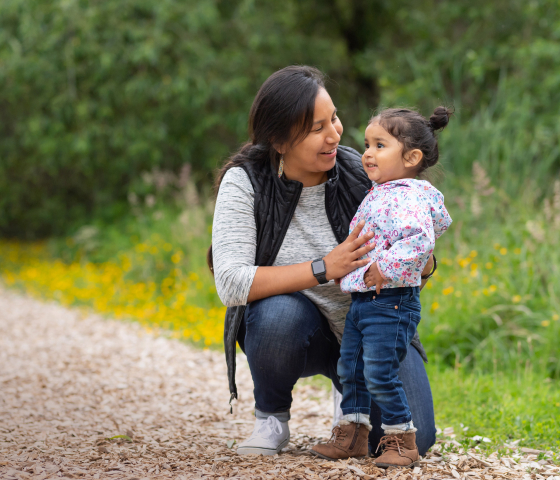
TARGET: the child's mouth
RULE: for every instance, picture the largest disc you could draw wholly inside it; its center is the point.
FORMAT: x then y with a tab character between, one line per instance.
371	165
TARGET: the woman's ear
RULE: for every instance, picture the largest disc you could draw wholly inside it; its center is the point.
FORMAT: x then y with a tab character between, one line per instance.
281	149
413	158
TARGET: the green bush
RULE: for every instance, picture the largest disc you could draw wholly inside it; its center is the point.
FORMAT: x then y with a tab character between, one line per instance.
93	94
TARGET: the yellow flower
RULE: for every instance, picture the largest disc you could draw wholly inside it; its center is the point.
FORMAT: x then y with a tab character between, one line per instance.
435	306
448	290
489	265
503	251
473	253
545	323
464	262
492	288
516	298
555	317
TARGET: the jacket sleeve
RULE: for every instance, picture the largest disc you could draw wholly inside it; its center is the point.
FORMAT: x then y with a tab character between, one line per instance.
234	238
410	224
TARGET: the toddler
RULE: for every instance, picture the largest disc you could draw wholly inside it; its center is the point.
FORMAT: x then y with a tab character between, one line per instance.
406	216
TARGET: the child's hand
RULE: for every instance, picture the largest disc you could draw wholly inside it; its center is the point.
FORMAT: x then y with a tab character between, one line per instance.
373	277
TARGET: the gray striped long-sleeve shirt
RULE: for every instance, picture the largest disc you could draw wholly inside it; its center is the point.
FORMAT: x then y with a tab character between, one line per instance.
309	236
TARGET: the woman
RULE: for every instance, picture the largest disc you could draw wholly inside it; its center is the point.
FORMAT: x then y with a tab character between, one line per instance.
280	238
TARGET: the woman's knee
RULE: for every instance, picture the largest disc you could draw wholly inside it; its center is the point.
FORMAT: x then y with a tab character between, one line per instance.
280	326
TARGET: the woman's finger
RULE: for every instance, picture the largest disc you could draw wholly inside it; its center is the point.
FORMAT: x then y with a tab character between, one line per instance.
359	263
364	250
357	229
361	240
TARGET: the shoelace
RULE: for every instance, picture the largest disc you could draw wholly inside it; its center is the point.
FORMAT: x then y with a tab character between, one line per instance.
270	426
337	433
391	442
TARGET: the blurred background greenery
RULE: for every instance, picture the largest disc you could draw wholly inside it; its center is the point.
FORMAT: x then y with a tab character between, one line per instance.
115	115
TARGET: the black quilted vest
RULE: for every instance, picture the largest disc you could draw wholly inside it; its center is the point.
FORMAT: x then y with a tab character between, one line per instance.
275	202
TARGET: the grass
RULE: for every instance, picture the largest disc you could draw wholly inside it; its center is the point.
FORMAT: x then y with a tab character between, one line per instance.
503	408
491	314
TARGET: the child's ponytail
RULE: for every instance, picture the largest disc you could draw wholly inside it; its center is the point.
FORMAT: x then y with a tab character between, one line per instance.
440	118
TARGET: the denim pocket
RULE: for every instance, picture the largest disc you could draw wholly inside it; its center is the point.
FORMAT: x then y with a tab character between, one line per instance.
412	326
386	301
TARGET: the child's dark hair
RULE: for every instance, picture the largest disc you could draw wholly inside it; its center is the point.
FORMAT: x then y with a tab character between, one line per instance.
415	132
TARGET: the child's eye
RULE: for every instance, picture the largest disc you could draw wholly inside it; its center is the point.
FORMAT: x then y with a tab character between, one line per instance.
379	145
367	145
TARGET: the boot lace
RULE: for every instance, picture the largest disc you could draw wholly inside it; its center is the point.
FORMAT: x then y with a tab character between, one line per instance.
337	434
391	442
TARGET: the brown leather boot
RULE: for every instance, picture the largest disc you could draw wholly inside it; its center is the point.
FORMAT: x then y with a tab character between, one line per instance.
399	450
347	440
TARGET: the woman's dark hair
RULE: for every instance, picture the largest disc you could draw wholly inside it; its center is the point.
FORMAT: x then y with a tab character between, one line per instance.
415	132
282	113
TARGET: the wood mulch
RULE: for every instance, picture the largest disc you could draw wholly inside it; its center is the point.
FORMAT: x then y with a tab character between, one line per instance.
85	397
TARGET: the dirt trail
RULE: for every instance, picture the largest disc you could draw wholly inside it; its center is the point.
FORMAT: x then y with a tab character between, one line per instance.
68	383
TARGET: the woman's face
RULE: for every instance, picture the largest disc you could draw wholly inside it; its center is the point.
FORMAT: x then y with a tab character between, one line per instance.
316	154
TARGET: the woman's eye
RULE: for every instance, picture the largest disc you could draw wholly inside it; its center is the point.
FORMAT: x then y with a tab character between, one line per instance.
334	119
318	129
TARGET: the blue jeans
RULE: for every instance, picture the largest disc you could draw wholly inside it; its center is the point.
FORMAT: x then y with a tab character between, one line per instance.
377	335
285	338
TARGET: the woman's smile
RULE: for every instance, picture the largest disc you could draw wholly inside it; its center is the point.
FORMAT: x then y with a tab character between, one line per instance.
330	153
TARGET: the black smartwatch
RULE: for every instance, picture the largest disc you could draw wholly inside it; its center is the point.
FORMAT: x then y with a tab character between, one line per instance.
319	270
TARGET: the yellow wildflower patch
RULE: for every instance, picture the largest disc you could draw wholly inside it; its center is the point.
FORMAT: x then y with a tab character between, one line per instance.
167	306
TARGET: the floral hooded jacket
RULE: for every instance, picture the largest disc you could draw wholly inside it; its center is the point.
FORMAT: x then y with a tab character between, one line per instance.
406	216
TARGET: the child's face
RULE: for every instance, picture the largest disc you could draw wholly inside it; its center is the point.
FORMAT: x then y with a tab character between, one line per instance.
383	160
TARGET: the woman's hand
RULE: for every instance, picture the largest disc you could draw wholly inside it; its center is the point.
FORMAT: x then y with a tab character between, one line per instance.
373	277
345	258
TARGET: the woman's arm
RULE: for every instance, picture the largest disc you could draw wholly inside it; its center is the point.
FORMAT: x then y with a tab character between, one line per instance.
341	260
234	237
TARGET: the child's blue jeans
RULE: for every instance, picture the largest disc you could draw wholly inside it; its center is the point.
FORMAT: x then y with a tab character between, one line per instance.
377	333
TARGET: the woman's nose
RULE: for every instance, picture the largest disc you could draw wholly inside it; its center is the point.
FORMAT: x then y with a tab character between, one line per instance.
334	134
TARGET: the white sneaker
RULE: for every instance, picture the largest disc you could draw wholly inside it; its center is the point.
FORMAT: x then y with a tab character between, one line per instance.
269	437
337	398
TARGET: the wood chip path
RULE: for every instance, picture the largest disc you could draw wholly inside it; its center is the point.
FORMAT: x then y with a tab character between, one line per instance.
71	384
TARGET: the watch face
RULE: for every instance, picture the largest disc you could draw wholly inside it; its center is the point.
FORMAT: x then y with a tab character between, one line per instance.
318	268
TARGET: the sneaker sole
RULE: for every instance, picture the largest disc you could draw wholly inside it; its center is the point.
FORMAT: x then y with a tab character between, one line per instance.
261	450
317	454
387	465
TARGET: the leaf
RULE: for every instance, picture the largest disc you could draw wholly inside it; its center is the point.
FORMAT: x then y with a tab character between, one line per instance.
230	443
125	437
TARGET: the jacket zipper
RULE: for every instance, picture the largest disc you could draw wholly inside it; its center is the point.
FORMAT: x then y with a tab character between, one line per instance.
355	439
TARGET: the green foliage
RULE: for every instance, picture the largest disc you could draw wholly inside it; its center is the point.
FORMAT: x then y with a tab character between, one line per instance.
92	94
494	305
502	407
